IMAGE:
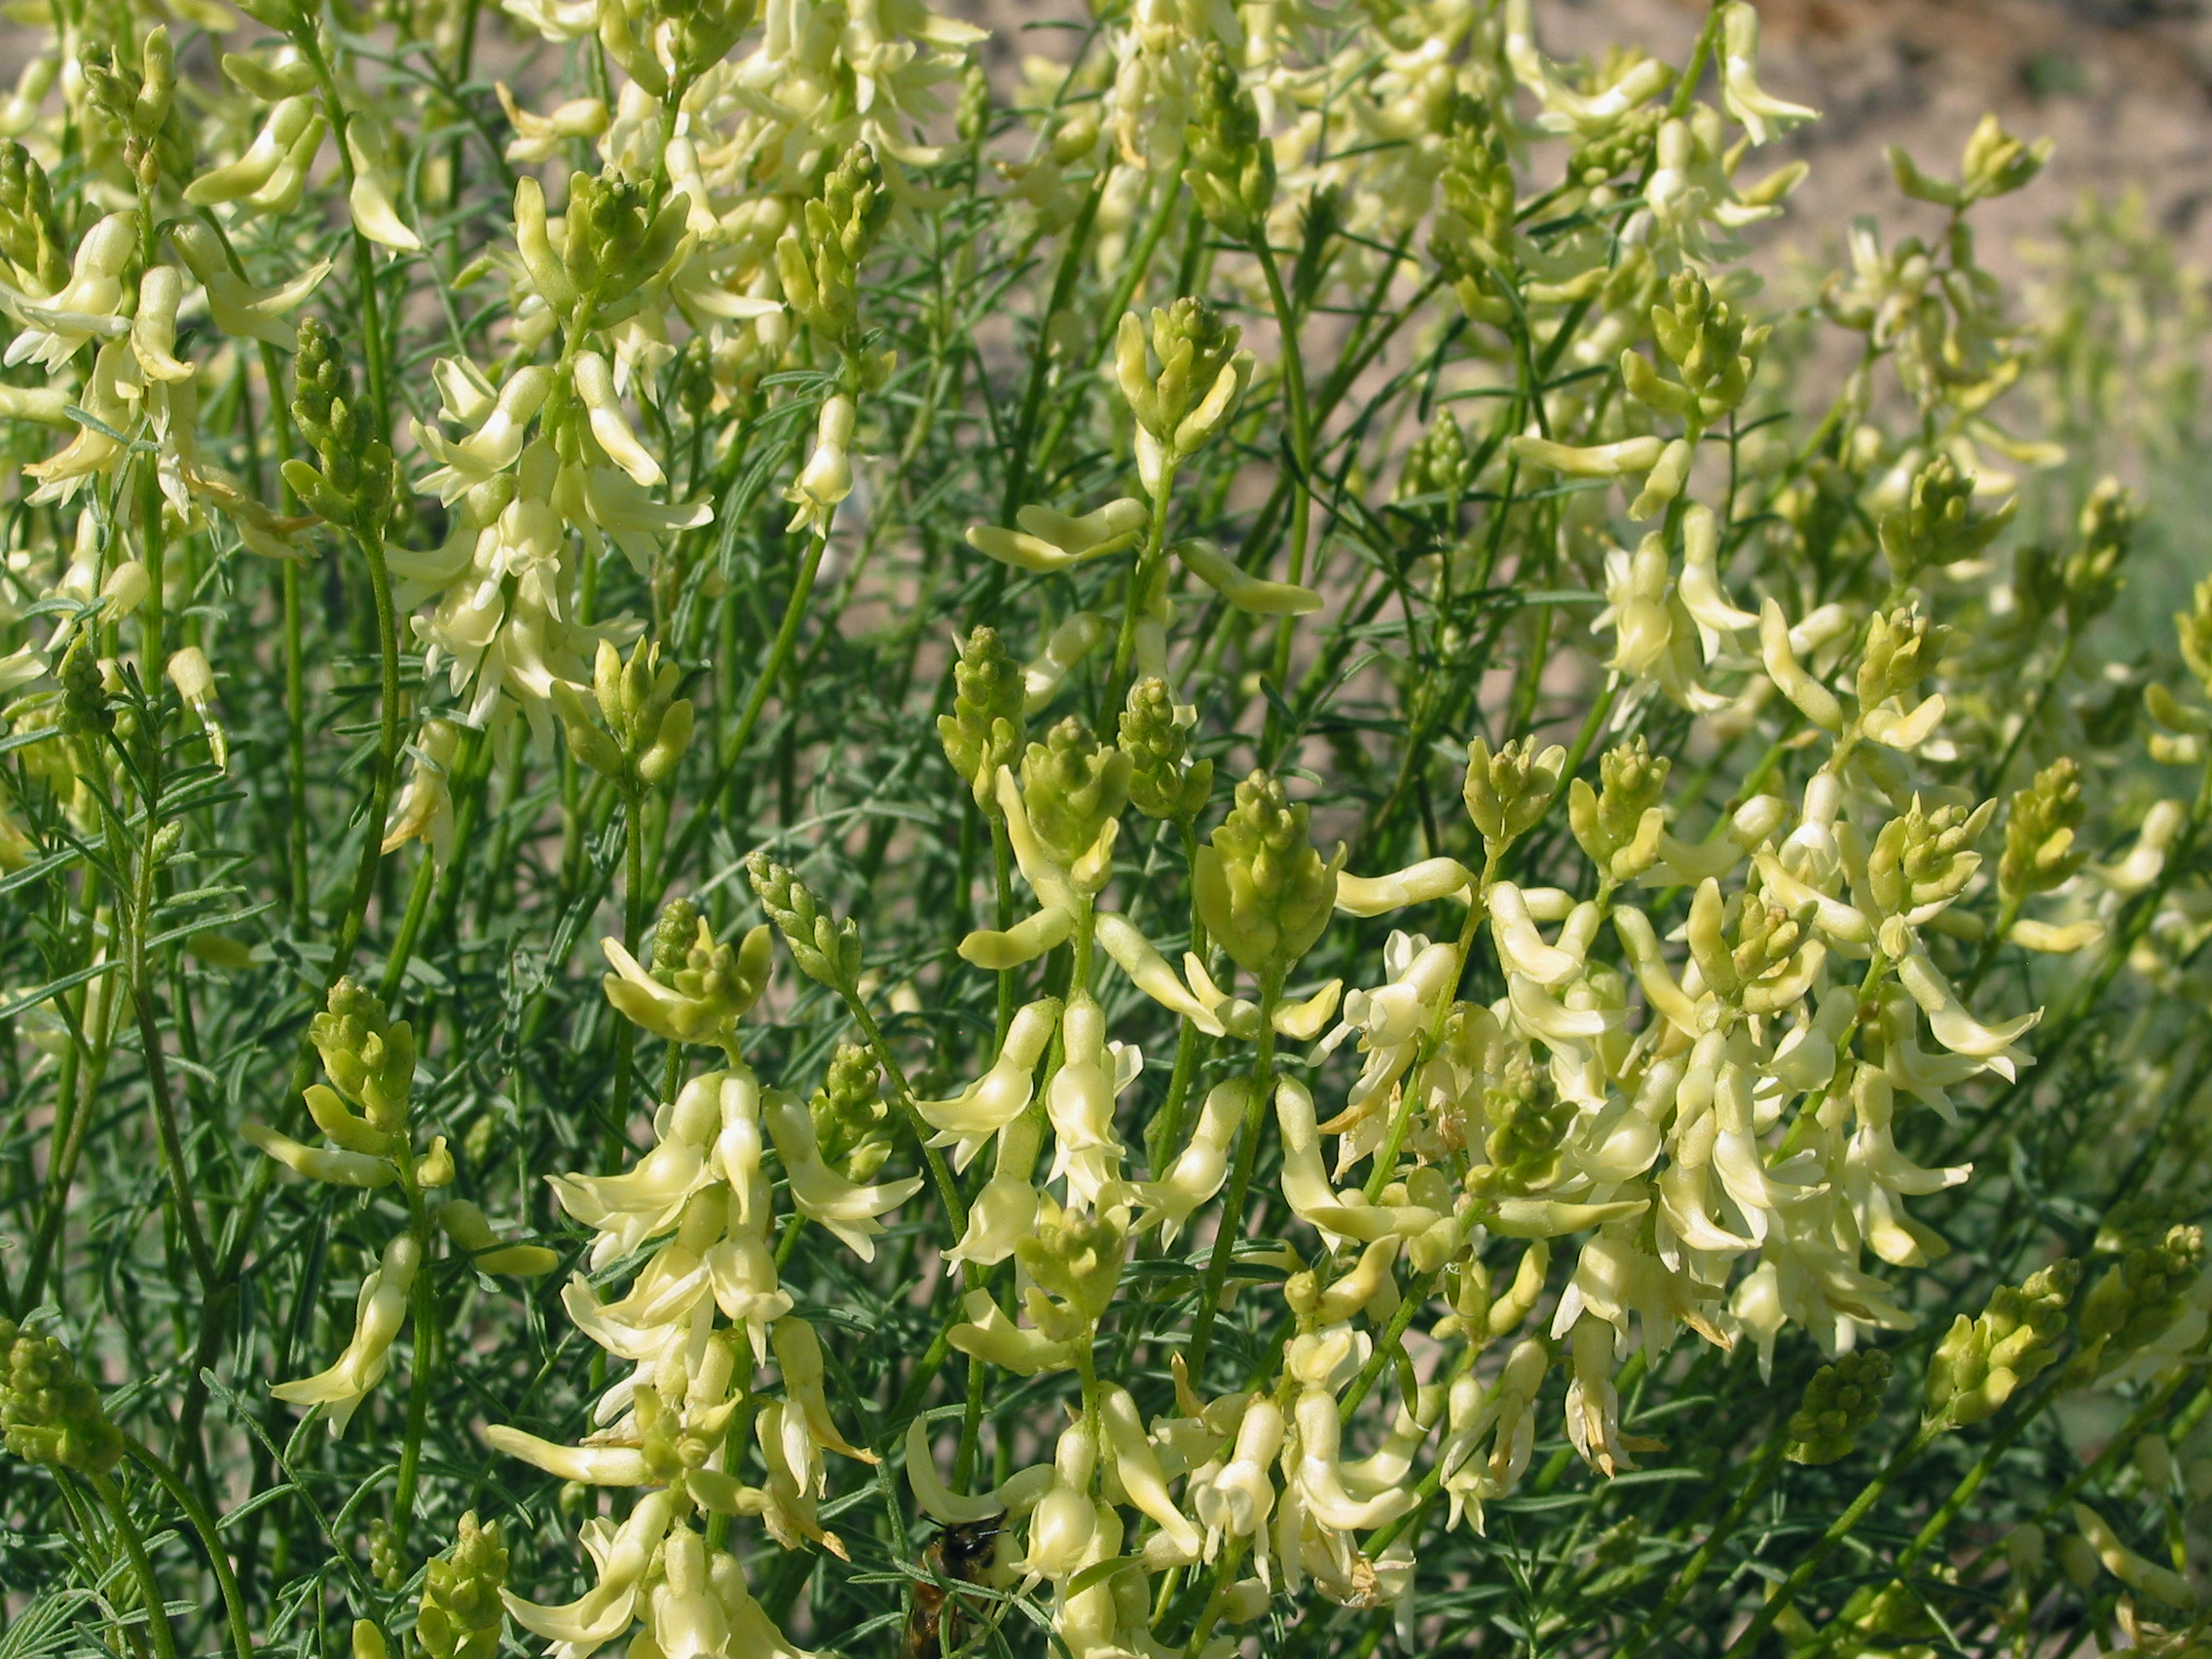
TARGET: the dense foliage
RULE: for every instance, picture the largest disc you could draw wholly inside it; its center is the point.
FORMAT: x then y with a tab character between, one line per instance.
1182	850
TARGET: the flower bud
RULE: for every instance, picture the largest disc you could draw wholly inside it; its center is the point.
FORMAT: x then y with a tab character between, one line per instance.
1154	735
1072	788
1262	890
1902	649
1980	1363
460	1615
1185	403
1230	171
1618	825
354	481
826	949
2040	853
1841	1400
1926	857
1076	1257
369	1059
2136	1299
1938	526
1507	791
984	730
1997	164
852	1121
48	1413
2090	578
30	236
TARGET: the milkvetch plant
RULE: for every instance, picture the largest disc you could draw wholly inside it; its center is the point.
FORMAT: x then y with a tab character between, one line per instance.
1205	852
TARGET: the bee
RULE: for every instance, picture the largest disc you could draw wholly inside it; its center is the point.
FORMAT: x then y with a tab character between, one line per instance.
960	1554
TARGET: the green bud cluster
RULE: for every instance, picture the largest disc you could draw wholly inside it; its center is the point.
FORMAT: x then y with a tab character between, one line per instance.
1163	783
826	950
1926	857
2193	626
462	1616
1073	785
972	113
1980	1363
1621	149
368	1056
1075	1257
30	236
1437	462
1231	168
713	983
354	481
2040	853
852	1121
1529	1123
1474	245
819	259
1840	1402
1902	649
1262	892
138	104
387	1564
1995	164
1768	936
672	933
85	709
48	1413
1714	353
703	31
985	729
1938	524
617	235
1507	790
1618	824
651	726
2090	579
1202	373
2138	1297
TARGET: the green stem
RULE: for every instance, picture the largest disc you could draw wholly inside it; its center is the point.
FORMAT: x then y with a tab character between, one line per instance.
948	1191
211	1541
1301	446
1142	576
387	759
409	927
1761	1476
779	654
1240	1185
1786	1592
134	1546
422	1363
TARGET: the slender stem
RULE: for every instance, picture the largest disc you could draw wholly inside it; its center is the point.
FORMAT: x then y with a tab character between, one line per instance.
1232	1213
424	1314
1301	445
387	759
211	1541
1761	1476
1785	1592
948	1191
409	927
134	1546
779	654
1142	576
